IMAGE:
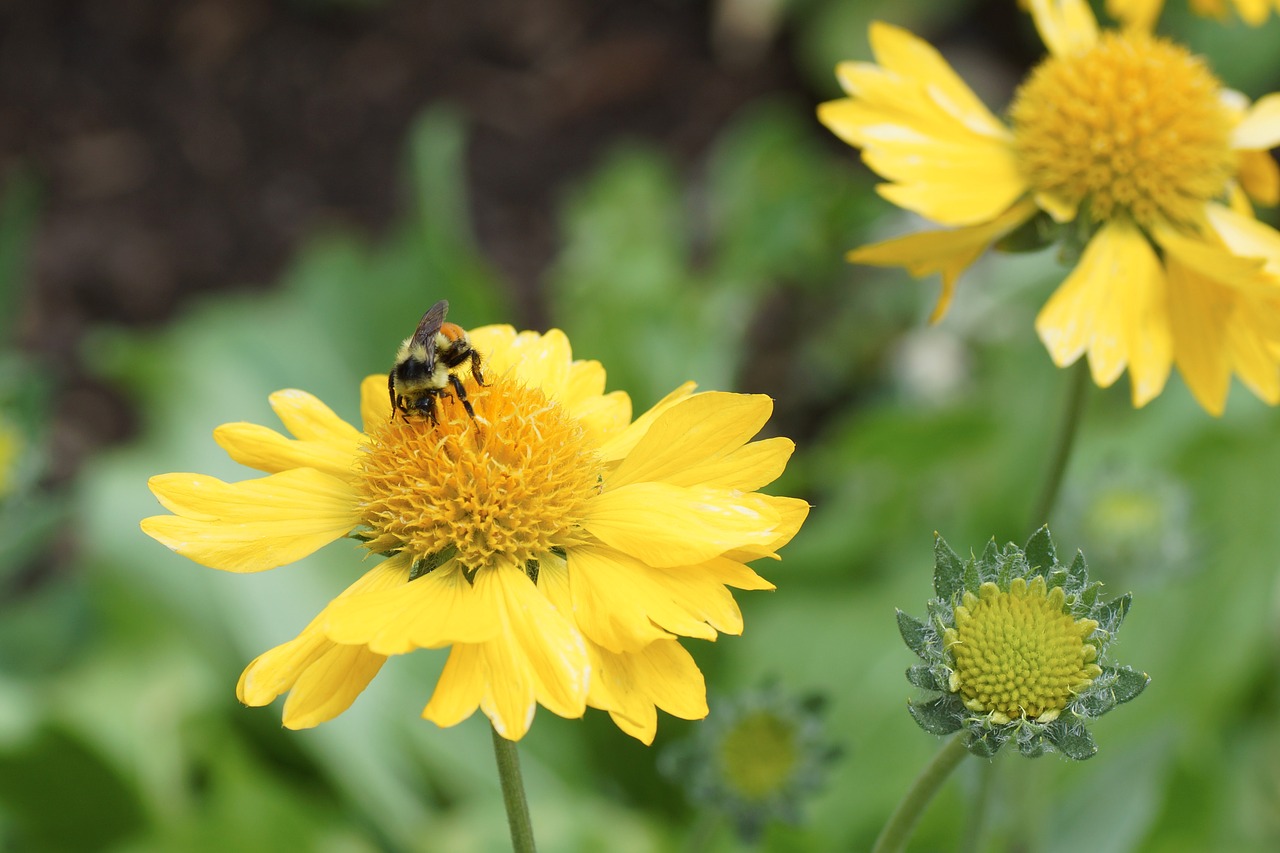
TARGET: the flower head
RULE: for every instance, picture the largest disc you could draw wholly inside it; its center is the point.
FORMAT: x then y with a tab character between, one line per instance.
1127	148
1013	644
756	758
556	546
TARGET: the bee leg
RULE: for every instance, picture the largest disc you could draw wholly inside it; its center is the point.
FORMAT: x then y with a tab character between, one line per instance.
475	368
391	391
430	402
461	394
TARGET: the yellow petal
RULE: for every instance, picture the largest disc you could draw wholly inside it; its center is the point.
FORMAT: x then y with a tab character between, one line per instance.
1259	130
252	525
311	420
375	402
1254	12
267	450
538	657
630	684
1199	313
435	610
1260	177
619	445
665	525
791	514
947	252
1067	27
539	360
747	468
623	604
330	685
326	677
604	417
899	51
1115	304
696	431
1247	238
1140	14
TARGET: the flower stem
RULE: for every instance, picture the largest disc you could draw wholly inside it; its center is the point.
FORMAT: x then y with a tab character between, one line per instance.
896	832
513	794
1065	440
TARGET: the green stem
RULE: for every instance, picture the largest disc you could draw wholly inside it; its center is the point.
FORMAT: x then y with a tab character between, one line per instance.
896	832
513	794
1072	411
972	840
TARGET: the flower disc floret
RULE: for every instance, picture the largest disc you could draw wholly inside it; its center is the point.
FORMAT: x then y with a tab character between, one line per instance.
1134	125
1017	653
507	492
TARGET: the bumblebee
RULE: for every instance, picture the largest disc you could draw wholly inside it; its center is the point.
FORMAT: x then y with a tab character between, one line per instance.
427	366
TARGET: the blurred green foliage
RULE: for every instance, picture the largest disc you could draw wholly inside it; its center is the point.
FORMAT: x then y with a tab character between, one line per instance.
119	728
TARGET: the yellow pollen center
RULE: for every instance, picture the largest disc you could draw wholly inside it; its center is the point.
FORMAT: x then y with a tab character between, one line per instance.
759	755
1133	126
1017	653
504	489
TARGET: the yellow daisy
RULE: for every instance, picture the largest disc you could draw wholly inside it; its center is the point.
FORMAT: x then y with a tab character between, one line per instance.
1126	135
1143	13
558	547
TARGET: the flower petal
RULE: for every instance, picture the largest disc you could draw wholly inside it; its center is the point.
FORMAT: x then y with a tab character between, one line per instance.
1199	313
695	432
430	612
323	678
630	684
1260	177
1067	27
947	252
1139	14
1251	240
311	420
252	525
1113	306
538	657
267	450
621	444
665	525
375	402
1259	130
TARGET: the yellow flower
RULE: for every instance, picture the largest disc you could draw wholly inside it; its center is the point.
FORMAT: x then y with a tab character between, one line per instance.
558	547
1143	13
1134	140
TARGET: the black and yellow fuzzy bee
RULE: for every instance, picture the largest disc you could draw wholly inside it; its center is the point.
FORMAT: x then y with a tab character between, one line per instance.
427	366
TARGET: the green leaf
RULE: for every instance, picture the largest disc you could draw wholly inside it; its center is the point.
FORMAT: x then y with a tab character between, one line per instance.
1040	552
989	563
915	633
1112	614
948	570
939	716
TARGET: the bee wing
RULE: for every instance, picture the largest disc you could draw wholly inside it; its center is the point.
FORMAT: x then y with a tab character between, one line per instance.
428	326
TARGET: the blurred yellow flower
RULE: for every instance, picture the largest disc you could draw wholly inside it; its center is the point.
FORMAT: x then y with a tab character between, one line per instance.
1143	13
10	450
558	547
1130	137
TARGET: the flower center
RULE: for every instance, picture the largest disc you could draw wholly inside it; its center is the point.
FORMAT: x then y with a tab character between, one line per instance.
1133	126
506	488
1017	653
759	755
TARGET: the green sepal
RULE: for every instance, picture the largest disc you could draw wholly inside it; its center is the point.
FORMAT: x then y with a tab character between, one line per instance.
1072	741
1112	614
926	678
1038	232
937	717
1078	577
1040	552
987	744
915	634
1128	683
1032	747
989	564
948	570
427	565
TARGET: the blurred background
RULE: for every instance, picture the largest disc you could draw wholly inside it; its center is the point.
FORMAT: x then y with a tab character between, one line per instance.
203	202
